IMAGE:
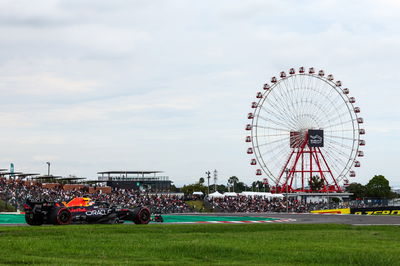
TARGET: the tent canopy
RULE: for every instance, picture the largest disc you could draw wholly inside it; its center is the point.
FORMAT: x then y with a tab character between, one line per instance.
260	194
216	194
230	194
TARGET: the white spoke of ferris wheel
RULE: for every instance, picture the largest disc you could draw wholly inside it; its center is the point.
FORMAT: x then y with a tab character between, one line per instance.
339	164
289	96
278	112
273	135
337	143
274	122
337	117
284	119
273	128
339	154
284	113
335	150
340	130
277	153
338	124
334	163
337	137
273	103
271	143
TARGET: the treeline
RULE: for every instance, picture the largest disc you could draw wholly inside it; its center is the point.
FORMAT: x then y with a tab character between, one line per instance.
377	187
233	185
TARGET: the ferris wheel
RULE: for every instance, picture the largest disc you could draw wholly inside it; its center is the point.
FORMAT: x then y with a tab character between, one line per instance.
305	125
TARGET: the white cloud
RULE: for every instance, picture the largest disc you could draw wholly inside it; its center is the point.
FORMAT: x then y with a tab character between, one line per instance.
167	84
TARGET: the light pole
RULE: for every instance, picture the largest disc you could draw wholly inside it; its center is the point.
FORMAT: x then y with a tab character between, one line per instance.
48	168
208	181
215	180
287	192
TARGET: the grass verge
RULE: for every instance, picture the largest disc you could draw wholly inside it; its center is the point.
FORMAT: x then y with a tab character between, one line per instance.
276	244
198	206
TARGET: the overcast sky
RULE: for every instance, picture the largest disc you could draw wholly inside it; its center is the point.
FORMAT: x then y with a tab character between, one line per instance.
166	85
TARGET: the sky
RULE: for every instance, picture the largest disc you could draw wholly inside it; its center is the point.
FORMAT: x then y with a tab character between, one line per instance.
166	85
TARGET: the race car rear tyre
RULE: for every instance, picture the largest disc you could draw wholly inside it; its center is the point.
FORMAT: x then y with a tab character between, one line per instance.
60	216
34	219
142	215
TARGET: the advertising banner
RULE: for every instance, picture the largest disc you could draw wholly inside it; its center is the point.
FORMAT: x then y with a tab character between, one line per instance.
392	210
315	138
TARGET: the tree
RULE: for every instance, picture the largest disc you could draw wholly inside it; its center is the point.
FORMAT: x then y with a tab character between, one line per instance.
201	180
173	188
358	190
240	187
189	189
222	188
378	187
316	183
232	181
258	185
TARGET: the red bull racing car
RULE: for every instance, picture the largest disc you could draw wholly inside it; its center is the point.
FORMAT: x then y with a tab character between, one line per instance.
83	211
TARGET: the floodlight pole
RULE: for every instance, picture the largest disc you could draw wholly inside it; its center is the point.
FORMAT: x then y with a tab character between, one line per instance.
208	181
287	198
48	168
215	179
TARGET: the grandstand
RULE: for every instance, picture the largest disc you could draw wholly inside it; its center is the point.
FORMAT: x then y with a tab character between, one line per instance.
136	180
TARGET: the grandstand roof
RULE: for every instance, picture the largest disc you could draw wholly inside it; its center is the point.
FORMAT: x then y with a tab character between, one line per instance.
10	173
70	178
44	177
130	172
22	175
92	181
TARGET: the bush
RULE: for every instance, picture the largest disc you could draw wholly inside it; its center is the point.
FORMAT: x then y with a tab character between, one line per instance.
4	207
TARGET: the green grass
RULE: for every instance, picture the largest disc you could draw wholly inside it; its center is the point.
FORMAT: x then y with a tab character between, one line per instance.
279	244
198	205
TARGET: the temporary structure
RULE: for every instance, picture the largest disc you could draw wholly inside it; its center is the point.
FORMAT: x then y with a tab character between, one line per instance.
216	194
230	194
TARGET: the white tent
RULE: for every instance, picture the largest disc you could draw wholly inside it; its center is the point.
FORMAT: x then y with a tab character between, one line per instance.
230	194
260	194
198	193
216	194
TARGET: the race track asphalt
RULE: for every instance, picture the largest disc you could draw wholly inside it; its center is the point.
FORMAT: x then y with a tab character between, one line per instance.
311	218
306	218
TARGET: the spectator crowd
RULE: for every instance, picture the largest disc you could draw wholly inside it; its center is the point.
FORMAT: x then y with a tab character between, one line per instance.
16	193
264	204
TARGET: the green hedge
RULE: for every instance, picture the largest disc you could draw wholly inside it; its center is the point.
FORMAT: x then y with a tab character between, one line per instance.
4	207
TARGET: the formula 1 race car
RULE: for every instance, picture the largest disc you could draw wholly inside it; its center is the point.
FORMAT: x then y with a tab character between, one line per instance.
82	211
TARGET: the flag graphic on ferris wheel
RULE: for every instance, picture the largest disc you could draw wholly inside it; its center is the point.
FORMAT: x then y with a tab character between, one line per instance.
304	125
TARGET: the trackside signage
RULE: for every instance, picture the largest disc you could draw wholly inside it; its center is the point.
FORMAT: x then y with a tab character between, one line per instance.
392	210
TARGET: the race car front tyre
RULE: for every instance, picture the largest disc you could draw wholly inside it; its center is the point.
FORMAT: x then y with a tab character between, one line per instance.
60	216
141	215
34	219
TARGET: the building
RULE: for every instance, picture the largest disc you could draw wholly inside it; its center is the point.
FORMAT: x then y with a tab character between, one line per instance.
148	181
